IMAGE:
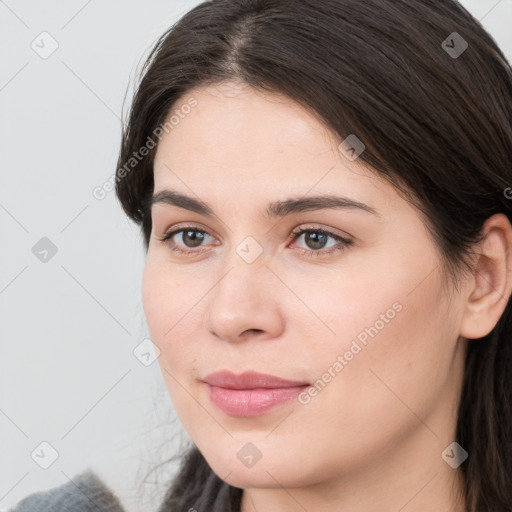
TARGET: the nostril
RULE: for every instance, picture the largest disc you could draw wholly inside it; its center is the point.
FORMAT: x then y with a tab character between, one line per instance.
252	330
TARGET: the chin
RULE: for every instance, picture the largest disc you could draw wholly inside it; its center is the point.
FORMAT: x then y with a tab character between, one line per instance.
258	477
268	472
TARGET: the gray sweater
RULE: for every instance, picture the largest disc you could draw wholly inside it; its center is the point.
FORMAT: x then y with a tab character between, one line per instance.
85	493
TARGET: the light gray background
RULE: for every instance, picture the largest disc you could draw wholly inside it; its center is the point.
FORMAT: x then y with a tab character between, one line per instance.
68	375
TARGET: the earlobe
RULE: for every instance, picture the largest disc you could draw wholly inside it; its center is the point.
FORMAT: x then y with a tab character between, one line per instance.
491	284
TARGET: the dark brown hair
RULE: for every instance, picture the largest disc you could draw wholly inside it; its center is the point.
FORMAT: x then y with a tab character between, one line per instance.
435	120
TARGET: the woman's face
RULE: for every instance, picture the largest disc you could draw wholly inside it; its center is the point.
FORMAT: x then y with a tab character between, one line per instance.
352	311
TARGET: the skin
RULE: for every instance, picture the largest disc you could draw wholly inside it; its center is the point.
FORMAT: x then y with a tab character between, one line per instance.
372	438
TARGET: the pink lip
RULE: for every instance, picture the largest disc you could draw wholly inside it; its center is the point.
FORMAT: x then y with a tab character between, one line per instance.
250	393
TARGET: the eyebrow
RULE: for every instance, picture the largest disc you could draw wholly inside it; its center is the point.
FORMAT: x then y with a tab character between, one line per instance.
274	209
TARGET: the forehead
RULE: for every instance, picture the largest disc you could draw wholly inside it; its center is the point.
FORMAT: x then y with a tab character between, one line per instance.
231	121
259	145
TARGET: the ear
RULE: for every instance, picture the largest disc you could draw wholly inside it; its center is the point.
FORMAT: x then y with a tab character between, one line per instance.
490	287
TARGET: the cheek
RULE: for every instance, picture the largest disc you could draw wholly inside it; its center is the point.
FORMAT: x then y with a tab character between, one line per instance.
392	306
168	298
171	317
396	345
390	321
155	301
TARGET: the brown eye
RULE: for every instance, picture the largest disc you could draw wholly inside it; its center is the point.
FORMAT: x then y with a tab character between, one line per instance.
191	238
316	240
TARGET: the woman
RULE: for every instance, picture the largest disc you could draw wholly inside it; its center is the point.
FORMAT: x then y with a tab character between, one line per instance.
324	193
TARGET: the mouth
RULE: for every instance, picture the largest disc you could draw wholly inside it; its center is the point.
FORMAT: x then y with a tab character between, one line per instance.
250	393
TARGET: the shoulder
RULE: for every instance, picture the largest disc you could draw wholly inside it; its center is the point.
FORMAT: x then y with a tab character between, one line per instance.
84	493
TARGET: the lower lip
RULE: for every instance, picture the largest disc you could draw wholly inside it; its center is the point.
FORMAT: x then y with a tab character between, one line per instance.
251	402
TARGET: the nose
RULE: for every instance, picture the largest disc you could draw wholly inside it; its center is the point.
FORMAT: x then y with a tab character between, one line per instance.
245	302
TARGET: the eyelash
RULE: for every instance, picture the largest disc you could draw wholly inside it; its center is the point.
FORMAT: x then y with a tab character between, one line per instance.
345	242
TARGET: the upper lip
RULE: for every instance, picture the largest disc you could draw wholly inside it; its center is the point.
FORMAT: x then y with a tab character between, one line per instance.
249	380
